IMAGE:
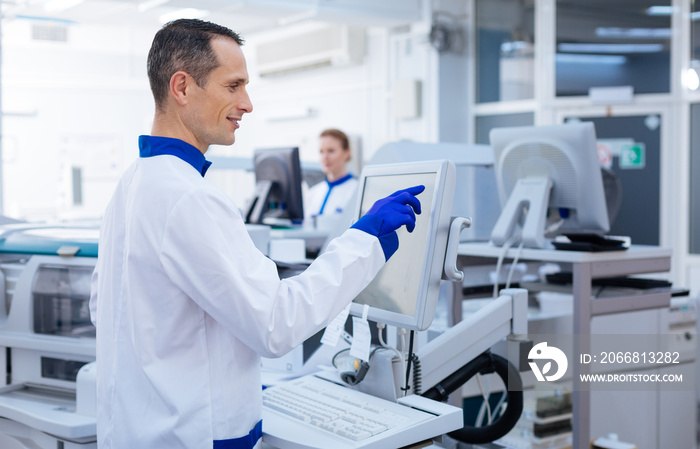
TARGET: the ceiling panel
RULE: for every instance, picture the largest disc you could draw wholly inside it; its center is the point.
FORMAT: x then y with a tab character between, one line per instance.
239	16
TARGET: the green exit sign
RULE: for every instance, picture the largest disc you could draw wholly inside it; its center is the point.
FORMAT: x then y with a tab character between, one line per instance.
633	156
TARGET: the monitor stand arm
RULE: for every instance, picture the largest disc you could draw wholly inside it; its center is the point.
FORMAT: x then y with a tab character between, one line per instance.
533	193
258	203
504	317
501	321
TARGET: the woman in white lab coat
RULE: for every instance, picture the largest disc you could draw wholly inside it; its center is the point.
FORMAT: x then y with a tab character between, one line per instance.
183	302
332	195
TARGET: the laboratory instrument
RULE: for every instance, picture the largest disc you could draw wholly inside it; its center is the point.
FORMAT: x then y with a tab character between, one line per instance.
48	395
404	295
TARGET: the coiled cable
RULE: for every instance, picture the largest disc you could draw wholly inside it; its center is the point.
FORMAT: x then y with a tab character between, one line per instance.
417	380
484	364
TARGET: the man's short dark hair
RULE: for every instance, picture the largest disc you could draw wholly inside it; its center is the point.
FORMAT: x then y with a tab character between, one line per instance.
184	44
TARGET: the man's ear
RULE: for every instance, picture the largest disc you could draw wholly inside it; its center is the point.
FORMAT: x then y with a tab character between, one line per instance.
178	86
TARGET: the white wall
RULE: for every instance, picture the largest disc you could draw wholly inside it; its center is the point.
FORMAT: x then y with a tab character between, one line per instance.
79	103
84	102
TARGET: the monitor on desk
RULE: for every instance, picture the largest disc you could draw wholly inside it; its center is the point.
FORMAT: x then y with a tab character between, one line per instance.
278	197
548	176
405	292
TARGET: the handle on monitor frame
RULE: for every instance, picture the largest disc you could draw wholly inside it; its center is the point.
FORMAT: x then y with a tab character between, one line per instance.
450	271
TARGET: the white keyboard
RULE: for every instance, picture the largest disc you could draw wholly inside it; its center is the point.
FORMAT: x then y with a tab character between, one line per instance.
315	413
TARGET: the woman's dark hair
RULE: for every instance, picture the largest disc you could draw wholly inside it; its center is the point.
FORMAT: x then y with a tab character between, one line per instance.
184	45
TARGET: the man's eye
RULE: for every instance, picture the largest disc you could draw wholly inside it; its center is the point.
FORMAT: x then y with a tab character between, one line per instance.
233	86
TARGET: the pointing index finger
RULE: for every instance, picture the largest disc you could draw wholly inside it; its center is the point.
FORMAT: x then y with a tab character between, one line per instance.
410	200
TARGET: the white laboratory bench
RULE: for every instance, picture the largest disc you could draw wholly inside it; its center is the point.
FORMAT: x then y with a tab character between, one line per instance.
314	238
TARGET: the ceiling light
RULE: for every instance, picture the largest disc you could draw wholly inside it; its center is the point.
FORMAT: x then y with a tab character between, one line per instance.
507	47
185	13
44	19
610	48
150	4
691	79
634	33
60	5
659	10
591	59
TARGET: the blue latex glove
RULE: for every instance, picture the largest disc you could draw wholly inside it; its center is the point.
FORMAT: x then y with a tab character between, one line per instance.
389	214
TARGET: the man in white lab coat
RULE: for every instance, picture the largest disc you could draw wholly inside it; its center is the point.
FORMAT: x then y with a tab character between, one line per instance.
183	302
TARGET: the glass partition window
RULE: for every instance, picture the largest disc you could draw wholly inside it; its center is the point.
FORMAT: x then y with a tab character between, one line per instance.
603	43
694	179
693	84
693	76
485	123
505	50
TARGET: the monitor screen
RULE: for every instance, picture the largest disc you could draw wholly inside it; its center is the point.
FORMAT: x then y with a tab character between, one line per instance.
549	182
405	291
278	196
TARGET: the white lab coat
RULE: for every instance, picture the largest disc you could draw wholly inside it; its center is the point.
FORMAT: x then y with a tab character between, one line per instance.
339	195
185	305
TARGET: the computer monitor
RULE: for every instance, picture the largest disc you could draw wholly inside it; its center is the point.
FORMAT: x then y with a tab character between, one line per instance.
405	292
277	198
548	174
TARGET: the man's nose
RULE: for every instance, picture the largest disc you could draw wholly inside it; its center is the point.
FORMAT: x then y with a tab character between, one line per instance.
245	104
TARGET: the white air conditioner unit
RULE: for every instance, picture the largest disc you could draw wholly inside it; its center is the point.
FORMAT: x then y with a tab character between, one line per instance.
326	46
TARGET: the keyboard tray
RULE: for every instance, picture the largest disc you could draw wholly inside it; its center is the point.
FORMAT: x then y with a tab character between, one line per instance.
292	424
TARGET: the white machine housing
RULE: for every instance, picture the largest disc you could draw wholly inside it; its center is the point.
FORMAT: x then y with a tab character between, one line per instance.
48	392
